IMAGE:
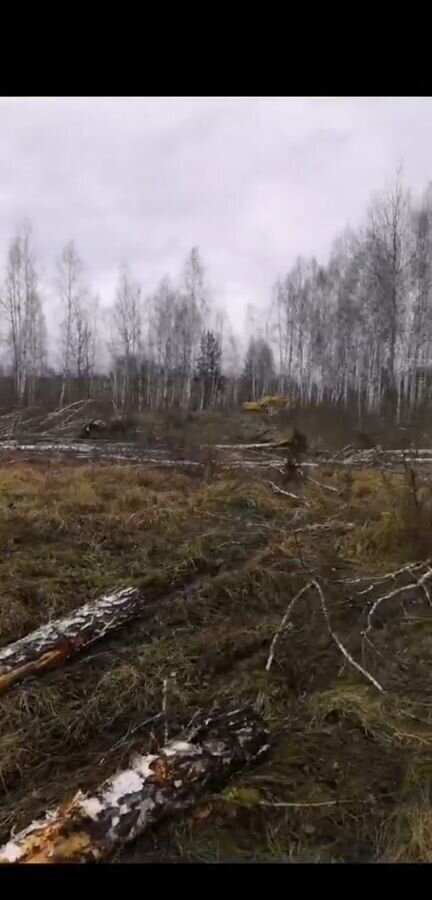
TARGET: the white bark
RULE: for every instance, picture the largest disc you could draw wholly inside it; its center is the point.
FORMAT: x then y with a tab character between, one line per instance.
91	827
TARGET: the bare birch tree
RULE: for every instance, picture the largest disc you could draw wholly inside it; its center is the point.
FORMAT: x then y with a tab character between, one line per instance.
191	310
25	323
127	336
78	325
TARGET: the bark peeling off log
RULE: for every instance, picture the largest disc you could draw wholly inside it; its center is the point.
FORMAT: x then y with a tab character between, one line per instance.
54	643
90	828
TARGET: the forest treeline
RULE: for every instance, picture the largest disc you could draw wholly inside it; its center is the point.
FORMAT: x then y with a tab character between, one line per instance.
356	332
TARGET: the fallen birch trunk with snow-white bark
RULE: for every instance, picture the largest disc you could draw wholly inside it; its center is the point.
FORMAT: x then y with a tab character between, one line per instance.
91	827
53	644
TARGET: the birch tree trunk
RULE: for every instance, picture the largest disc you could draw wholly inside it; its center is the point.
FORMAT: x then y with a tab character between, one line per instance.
90	828
53	644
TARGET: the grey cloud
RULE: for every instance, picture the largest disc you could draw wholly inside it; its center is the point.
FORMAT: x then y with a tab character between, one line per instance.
253	182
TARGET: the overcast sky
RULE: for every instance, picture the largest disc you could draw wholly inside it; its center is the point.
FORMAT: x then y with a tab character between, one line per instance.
252	182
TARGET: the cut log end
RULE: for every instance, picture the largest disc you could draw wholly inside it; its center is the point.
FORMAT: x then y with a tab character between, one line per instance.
53	644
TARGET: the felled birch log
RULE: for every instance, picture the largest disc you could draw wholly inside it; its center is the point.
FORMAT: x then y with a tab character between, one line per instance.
91	827
103	452
52	644
270	445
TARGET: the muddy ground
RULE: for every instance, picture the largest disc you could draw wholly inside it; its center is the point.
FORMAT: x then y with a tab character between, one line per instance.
220	545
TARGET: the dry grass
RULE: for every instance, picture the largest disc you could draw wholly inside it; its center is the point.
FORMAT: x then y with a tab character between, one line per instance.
237	552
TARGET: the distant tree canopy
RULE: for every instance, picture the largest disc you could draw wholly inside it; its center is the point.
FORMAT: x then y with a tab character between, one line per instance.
356	332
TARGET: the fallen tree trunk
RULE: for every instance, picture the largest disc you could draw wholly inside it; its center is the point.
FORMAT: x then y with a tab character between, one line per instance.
385	458
102	451
376	458
105	451
90	827
54	643
270	445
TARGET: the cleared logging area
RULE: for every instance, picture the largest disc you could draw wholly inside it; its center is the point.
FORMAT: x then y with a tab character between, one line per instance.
305	601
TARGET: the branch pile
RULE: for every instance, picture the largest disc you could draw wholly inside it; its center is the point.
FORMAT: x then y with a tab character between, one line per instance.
68	419
91	827
18	419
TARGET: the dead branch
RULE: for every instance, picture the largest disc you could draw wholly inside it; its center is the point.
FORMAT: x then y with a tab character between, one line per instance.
409	567
78	404
339	643
126	737
330	525
422	584
165	708
326	487
283	624
281	804
395	593
277	490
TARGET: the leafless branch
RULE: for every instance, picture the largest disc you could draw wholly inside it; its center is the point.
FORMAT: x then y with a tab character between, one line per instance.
277	490
395	593
165	708
283	624
281	804
326	487
339	643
